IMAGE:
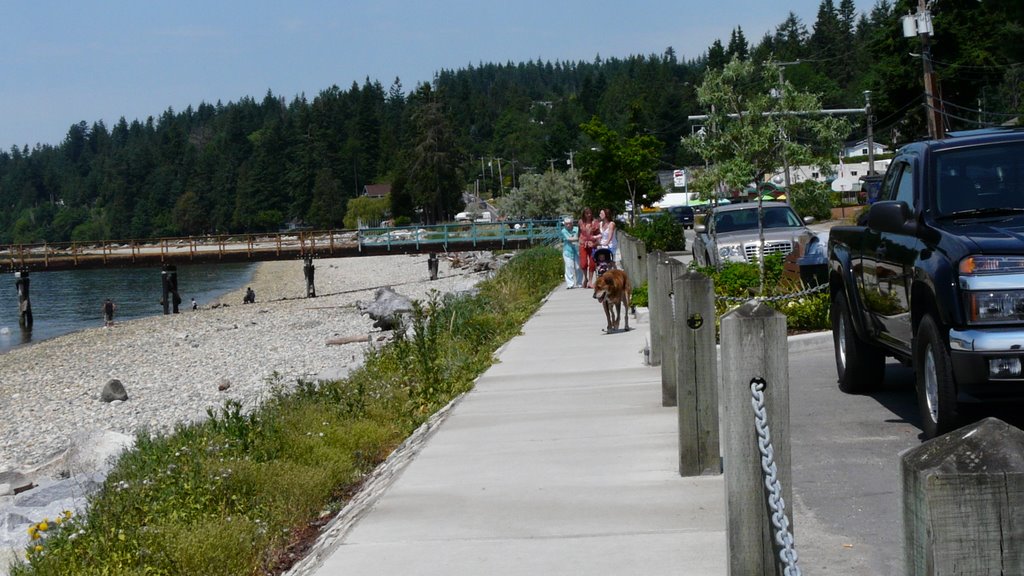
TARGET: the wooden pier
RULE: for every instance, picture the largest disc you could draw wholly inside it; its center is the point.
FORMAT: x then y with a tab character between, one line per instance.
280	246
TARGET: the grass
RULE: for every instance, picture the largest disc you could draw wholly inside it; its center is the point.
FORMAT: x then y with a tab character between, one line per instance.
236	493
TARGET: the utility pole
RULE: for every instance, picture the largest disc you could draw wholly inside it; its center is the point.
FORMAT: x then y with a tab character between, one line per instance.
501	180
483	176
871	132
572	161
920	24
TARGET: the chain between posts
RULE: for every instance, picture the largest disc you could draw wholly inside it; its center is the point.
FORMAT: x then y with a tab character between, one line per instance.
783	535
776	298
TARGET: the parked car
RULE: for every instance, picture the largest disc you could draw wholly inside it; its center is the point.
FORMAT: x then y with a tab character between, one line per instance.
682	214
730	233
933	276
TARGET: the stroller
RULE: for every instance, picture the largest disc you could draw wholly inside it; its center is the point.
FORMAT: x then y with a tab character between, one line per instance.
605	260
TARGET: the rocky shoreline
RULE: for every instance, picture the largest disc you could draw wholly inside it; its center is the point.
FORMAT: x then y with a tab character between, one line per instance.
176	367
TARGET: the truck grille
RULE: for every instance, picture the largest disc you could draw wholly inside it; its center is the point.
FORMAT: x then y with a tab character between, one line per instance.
778	247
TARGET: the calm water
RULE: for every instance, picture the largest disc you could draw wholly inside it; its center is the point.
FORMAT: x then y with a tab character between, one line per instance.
69	301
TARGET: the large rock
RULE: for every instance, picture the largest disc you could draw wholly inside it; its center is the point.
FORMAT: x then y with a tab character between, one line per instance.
113	390
386	309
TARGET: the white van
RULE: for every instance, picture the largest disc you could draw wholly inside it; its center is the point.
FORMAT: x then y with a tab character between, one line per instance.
484	216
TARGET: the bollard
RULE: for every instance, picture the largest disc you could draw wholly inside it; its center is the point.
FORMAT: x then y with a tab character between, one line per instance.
753	346
963	500
666	329
696	361
654	306
21	283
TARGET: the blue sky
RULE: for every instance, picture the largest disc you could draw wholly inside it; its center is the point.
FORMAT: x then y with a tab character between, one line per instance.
64	62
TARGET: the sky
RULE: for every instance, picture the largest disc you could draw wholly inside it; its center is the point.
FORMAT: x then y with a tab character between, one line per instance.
65	62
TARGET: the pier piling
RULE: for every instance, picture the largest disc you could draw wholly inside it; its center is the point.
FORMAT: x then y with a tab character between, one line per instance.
21	282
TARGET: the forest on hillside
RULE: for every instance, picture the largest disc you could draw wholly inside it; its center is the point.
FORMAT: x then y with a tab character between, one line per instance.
257	164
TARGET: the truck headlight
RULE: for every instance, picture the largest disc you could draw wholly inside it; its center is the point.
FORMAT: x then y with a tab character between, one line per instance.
731	253
995	306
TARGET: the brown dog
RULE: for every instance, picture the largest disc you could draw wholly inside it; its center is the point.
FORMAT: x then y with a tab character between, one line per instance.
612	290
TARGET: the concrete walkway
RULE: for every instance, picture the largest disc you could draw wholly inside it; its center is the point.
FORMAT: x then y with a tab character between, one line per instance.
561	461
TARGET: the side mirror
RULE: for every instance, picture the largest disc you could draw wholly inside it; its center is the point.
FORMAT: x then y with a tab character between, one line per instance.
699	228
809	220
891	216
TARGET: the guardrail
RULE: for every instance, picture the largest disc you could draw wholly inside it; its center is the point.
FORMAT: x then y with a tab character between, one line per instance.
474	234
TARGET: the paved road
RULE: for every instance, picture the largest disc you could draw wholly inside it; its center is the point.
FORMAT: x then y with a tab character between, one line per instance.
846	464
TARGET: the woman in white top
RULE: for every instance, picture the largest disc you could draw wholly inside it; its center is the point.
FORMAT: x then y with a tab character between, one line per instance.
607	238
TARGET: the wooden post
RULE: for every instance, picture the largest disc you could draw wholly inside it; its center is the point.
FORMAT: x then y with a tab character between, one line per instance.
641	262
625	247
963	502
753	346
21	282
308	271
697	367
165	290
169	281
666	330
432	265
654	306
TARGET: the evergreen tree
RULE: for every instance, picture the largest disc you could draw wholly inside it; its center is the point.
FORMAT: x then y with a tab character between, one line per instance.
738	47
432	176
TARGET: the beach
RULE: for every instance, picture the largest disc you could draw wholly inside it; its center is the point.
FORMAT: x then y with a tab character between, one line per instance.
176	367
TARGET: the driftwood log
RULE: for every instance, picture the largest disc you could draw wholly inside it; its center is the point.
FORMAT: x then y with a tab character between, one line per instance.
348	340
386	309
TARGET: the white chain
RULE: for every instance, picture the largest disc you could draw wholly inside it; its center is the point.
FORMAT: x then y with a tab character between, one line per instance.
783	536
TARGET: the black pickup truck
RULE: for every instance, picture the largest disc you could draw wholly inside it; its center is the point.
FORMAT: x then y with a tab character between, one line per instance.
934	276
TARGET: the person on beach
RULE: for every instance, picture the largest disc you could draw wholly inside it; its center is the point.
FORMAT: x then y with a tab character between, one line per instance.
570	253
588	241
108	312
606	238
194	305
250	296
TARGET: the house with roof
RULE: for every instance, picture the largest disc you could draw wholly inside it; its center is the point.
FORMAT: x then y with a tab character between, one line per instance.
376	190
860	148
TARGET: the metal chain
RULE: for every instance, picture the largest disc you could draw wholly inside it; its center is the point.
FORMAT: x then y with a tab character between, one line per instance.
776	298
783	536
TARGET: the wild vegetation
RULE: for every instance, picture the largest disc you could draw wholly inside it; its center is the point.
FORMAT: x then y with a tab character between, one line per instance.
235	494
254	164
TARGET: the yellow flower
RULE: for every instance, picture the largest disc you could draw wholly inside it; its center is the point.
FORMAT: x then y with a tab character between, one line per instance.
43	525
39	547
36	535
32	530
67	514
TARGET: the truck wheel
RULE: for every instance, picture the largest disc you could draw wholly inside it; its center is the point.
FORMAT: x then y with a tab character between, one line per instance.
936	388
861	366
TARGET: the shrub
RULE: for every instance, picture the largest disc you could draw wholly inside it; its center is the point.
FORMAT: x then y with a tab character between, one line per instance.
663	232
811	198
741	279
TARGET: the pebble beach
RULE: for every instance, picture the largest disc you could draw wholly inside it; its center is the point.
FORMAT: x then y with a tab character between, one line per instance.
175	367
